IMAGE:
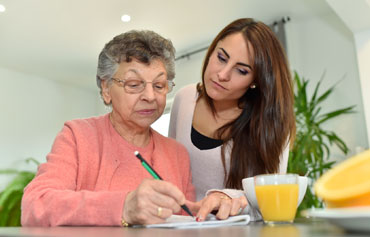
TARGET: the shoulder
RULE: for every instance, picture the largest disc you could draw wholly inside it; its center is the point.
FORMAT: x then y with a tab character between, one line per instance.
185	98
187	91
87	122
87	126
182	109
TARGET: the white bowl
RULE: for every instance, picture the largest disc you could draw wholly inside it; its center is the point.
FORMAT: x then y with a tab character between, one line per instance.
248	186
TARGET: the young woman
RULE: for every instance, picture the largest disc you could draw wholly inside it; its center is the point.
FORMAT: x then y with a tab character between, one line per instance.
239	120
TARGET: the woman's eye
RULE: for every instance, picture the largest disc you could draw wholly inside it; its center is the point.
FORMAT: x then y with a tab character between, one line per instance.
159	86
133	83
221	58
242	71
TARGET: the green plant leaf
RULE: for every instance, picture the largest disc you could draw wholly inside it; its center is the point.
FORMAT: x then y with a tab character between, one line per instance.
9	171
336	113
324	95
33	160
310	153
11	196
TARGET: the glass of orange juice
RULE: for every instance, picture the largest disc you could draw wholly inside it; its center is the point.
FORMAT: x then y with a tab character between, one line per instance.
277	197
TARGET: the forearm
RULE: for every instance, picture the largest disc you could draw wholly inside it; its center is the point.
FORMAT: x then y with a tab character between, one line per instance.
232	193
51	207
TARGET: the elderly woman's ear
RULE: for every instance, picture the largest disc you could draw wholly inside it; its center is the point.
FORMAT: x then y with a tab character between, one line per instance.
105	92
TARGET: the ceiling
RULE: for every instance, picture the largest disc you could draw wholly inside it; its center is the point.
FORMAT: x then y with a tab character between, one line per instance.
61	39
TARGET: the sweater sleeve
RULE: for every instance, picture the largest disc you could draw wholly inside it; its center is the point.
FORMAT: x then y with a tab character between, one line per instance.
187	178
52	199
187	185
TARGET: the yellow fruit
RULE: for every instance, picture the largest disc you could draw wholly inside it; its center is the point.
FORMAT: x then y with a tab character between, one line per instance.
346	184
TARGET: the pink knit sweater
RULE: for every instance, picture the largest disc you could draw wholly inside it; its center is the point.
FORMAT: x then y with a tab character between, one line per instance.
89	171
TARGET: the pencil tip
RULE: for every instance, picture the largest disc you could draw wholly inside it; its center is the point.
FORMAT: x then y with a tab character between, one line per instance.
136	153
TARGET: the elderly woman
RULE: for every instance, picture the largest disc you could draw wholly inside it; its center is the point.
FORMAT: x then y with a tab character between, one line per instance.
92	176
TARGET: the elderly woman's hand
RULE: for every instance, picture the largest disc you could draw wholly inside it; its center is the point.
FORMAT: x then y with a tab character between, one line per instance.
220	202
152	202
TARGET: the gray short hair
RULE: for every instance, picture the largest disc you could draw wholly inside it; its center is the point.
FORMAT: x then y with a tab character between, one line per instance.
143	46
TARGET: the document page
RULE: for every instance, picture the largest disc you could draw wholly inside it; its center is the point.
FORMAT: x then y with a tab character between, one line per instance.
182	222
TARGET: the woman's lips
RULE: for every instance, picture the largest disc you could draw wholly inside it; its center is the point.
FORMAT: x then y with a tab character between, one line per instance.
217	85
146	111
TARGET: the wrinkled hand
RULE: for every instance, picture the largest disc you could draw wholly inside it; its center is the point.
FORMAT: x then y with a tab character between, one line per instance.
220	202
152	202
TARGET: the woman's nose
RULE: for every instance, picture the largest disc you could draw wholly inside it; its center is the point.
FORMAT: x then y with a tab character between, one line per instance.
224	74
148	92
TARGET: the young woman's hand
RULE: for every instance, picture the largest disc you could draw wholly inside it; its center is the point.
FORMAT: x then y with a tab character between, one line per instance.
220	203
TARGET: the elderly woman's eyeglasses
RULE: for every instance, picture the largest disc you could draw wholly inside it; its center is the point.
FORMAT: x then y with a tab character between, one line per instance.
133	86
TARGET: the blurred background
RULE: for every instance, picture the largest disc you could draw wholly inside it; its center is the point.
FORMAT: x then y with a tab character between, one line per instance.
49	51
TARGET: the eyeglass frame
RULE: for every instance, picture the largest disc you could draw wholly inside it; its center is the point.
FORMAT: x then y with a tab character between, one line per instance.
170	85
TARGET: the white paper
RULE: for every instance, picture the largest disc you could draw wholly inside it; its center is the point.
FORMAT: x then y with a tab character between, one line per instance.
182	222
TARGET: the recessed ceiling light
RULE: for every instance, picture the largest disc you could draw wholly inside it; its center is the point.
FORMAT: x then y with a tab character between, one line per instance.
125	18
2	8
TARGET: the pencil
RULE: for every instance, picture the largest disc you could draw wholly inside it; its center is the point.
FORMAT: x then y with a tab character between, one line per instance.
156	176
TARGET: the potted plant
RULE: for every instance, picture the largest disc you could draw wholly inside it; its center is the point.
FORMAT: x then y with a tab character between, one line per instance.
311	149
11	196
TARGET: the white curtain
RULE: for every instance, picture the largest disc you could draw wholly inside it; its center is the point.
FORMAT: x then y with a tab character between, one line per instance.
278	27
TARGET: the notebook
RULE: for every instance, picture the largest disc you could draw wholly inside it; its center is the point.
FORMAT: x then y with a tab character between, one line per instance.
186	222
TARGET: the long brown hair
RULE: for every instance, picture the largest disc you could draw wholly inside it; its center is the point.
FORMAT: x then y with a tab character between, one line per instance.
267	122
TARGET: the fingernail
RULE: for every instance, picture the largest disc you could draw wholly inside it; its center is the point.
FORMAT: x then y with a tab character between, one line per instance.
199	218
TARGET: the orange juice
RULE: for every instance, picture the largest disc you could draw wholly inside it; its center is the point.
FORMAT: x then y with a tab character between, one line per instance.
277	202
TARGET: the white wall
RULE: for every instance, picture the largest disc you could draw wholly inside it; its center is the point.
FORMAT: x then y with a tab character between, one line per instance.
356	16
33	111
362	40
325	44
188	70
